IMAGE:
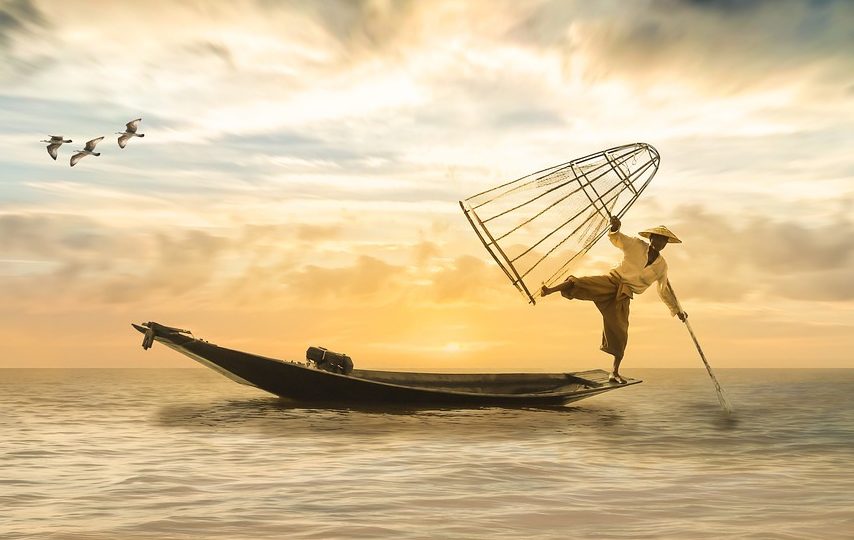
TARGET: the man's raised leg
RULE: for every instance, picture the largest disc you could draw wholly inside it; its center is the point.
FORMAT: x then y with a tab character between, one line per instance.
560	287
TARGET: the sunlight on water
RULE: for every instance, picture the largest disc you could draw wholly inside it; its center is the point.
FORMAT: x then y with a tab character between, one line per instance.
100	454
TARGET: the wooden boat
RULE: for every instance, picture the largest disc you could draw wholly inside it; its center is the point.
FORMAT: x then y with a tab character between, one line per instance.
304	382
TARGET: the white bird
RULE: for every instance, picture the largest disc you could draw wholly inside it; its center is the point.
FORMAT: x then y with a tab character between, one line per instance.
129	132
54	143
89	150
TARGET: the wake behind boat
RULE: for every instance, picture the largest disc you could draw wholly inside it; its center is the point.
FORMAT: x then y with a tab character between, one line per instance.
304	382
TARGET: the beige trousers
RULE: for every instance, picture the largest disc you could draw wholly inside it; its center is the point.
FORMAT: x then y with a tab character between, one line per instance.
612	297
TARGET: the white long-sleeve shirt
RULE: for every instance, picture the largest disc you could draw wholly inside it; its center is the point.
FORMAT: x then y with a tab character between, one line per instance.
634	272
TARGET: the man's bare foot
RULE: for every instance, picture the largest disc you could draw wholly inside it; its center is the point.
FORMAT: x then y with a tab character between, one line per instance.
545	291
616	378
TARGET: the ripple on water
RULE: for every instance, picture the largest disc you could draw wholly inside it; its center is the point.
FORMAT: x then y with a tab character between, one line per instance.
188	454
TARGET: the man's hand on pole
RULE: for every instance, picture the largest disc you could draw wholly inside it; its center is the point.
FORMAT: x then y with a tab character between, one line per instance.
682	316
615	224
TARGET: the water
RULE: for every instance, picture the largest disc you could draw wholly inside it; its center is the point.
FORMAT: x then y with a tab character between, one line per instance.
156	454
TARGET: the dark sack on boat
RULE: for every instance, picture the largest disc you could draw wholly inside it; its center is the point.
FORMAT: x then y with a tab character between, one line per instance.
329	361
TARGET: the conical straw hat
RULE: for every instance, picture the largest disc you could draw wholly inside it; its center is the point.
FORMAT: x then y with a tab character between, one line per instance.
663	231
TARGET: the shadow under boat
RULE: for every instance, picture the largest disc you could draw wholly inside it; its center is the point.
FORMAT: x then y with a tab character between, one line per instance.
303	382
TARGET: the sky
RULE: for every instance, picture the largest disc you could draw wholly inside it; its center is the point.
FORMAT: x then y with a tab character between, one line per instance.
298	180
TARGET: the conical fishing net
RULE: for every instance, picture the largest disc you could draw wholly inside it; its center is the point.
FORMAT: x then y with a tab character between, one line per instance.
535	227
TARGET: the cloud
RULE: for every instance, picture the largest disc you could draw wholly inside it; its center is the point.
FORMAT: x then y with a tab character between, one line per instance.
22	20
183	264
774	246
829	285
317	233
19	17
368	277
356	25
53	236
218	50
316	86
727	7
673	50
91	262
425	251
765	42
721	260
467	278
724	260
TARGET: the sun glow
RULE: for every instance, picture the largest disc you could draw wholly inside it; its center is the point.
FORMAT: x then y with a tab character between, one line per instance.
453	348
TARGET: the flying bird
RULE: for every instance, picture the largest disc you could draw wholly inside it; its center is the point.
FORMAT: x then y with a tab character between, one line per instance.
54	143
88	150
129	132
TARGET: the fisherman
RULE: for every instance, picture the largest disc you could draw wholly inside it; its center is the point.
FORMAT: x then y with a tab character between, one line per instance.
642	265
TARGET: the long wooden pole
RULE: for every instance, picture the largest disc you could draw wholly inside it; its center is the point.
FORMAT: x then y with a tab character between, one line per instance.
724	403
721	397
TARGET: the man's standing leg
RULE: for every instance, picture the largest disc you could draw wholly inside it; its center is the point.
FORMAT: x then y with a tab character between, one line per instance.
615	333
615	374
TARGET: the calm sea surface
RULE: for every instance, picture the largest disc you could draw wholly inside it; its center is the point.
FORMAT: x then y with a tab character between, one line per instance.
156	454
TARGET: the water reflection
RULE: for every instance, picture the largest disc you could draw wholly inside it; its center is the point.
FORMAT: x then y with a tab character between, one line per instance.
278	416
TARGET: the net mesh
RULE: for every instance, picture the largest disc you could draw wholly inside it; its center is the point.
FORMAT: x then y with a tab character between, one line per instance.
536	226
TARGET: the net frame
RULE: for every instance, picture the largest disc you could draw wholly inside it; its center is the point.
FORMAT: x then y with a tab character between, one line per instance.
629	179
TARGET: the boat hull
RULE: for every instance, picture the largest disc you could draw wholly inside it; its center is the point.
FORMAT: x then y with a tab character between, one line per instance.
302	382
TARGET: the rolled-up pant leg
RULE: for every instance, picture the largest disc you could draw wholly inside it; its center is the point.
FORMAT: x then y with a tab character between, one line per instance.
613	305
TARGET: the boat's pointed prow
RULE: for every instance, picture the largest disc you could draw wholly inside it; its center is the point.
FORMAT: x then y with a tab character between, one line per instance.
139	327
152	331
